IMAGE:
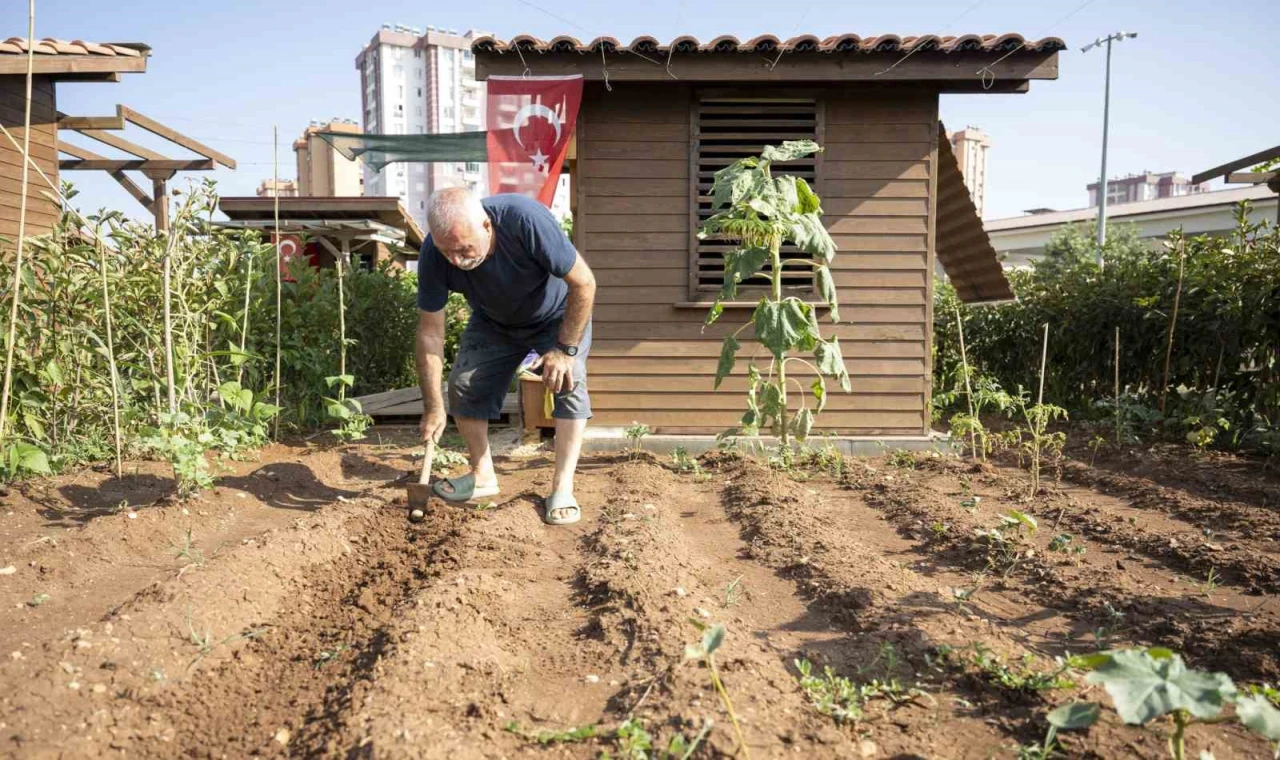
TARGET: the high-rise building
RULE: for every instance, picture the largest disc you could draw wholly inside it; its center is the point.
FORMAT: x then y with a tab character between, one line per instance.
285	188
970	146
1145	187
323	171
415	82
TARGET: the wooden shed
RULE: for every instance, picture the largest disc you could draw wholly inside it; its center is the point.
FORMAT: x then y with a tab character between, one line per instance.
657	120
54	61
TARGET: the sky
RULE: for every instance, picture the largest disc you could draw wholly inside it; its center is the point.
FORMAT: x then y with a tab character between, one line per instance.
1195	89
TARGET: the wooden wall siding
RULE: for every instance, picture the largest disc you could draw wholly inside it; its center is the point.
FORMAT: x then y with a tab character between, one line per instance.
42	213
653	362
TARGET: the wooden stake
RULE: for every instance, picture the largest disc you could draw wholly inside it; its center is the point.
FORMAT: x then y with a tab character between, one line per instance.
22	224
968	390
111	358
342	320
1044	359
275	175
168	325
1119	440
1173	320
244	325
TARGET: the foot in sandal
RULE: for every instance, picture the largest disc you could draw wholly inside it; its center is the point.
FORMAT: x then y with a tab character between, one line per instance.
562	509
466	488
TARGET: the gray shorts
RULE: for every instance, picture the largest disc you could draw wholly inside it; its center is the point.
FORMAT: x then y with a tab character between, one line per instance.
488	358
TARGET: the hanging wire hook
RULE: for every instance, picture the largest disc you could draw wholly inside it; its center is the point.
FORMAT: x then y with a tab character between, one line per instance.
525	75
670	52
604	66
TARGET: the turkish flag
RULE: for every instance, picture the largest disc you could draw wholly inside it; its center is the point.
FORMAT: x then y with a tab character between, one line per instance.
530	122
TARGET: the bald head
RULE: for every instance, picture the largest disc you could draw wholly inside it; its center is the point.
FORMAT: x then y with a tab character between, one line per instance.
459	227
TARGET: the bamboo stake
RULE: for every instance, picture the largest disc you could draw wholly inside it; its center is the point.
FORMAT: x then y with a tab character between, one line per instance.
275	174
1041	423
1044	359
168	326
244	324
22	224
342	322
968	390
111	358
1119	438
1173	320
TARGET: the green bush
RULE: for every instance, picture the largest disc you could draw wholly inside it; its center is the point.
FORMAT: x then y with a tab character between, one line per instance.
61	403
1226	347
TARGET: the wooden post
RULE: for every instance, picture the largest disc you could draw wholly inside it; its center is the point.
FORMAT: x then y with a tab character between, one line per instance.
275	175
1173	320
968	389
1044	360
160	197
342	317
111	357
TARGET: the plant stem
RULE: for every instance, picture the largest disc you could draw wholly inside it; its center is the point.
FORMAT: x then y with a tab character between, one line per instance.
111	356
968	390
1119	440
774	252
1173	320
1177	742
168	325
724	696
22	223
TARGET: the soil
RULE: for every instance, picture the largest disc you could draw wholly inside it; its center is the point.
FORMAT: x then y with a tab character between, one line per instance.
293	611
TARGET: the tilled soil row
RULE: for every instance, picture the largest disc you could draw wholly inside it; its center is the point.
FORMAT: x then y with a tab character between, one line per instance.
95	690
1135	604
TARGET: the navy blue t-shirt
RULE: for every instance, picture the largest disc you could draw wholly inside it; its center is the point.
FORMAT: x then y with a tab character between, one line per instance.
520	286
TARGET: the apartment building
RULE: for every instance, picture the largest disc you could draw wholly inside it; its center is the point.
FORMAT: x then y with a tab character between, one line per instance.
323	171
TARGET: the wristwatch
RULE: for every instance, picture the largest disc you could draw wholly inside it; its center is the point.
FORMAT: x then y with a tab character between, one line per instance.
567	350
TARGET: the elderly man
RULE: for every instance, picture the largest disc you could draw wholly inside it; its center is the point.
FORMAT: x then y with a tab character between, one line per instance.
528	290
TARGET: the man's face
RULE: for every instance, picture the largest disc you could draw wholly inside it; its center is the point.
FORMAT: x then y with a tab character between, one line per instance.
466	246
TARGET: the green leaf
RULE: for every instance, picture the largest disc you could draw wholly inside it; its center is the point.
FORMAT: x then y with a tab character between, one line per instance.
782	326
30	459
712	638
34	425
827	289
764	208
1090	661
735	182
1260	716
1025	519
819	388
740	265
774	401
346	380
802	423
831	362
717	309
1074	716
1144	687
807	200
54	373
788	194
811	237
728	355
789	150
338	410
228	391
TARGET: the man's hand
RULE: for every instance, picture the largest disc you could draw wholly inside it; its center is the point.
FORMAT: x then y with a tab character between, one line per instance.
557	370
432	426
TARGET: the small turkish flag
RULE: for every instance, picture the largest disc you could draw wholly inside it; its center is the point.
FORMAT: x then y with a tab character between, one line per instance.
530	122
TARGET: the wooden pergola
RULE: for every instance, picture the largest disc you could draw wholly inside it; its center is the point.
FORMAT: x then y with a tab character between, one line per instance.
1232	174
155	166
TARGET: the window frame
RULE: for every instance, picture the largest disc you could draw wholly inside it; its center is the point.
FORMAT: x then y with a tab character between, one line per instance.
699	296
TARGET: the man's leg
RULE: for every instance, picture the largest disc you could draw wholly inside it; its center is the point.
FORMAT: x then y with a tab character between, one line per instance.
572	410
568	447
478	385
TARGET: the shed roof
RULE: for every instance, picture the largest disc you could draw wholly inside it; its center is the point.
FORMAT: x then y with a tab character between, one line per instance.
385	210
963	247
764	43
74	59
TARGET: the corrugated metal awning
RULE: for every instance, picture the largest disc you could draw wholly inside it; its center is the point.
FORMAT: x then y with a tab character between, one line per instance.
963	248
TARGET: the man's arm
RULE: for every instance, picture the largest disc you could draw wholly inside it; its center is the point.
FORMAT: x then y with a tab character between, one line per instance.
582	297
429	355
557	366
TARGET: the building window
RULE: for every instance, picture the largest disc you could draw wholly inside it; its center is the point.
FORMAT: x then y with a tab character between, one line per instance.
466	55
417	110
419	92
417	52
473	167
728	129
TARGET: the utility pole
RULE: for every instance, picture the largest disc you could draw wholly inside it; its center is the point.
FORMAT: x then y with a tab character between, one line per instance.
1106	117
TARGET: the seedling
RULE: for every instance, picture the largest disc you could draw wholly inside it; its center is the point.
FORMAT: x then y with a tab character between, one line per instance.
683	462
1034	440
902	459
38	600
329	655
347	413
704	650
1072	716
1064	543
733	592
758	213
1114	623
1096	443
1210	583
1147	684
636	743
971	503
1020	676
545	737
844	700
1007	545
486	506
188	551
636	434
939	530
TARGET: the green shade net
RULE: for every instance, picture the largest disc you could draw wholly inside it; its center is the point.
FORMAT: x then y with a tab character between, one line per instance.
379	150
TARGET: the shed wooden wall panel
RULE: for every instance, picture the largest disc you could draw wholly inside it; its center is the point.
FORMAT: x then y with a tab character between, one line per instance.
42	212
652	360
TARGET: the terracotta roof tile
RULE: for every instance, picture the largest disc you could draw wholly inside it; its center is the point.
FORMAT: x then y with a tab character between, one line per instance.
841	43
51	46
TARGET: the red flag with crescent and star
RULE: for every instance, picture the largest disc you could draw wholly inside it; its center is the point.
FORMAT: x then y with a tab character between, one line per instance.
530	123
